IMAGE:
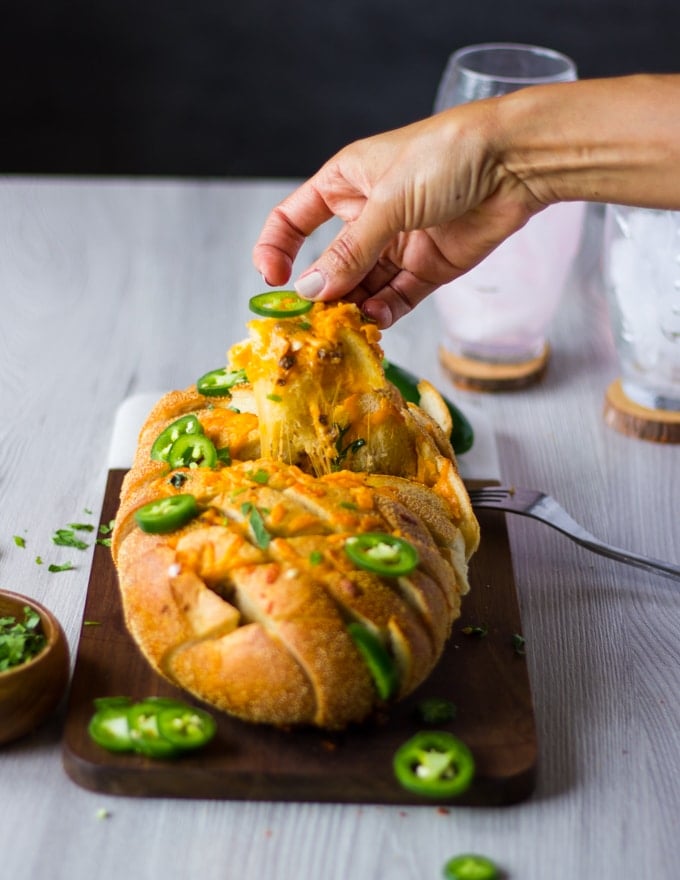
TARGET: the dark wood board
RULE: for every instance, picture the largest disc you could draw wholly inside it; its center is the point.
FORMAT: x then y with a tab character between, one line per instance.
485	678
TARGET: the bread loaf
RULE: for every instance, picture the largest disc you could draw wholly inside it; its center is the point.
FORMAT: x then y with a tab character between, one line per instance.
257	603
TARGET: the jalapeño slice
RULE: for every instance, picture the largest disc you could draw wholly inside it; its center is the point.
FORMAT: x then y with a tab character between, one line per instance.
279	304
462	435
218	383
156	727
166	514
380	664
109	727
145	734
382	554
435	764
192	450
163	443
185	726
470	866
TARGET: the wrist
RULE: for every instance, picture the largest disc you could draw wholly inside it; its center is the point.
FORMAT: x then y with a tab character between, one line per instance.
608	140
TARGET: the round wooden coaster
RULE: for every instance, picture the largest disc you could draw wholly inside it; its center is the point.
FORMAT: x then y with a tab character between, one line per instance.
628	417
474	375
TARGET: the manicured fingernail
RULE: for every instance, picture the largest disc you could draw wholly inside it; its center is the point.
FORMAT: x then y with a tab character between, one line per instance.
310	286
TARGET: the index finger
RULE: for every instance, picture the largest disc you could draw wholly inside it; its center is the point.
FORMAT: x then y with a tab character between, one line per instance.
285	230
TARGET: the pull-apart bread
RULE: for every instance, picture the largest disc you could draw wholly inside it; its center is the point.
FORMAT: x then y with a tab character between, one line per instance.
285	599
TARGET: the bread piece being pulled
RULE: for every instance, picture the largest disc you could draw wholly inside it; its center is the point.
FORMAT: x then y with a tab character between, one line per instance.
323	565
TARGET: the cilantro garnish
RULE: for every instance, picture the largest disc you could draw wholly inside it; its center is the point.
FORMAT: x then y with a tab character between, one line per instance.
81	527
68	538
20	640
224	455
344	451
260	533
259	476
67	566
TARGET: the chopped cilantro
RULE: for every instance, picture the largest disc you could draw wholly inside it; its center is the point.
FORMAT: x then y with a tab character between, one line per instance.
67	566
315	557
224	455
260	533
67	538
82	527
20	640
19	541
259	476
344	451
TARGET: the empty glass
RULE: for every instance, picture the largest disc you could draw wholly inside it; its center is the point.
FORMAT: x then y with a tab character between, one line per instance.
496	316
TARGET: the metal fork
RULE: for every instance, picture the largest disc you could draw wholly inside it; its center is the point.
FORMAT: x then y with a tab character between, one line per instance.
537	505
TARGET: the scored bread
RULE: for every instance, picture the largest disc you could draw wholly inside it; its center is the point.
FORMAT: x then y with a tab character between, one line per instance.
254	604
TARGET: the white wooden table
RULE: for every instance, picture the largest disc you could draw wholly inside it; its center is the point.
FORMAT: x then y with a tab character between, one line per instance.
109	288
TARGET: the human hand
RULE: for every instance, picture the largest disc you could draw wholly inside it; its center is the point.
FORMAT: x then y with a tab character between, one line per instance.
421	205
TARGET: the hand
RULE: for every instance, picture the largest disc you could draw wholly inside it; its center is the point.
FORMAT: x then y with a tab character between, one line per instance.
421	205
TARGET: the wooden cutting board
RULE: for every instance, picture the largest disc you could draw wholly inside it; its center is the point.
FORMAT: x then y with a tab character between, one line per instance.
484	677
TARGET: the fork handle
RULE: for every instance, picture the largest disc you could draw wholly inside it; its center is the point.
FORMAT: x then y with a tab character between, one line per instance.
636	559
562	522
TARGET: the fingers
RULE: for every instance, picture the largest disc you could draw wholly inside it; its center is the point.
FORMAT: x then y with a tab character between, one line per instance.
285	231
350	257
396	299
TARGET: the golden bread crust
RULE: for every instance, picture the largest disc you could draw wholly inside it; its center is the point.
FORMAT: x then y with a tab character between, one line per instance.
247	606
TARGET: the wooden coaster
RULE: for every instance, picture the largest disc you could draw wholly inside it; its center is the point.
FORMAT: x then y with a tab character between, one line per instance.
474	375
628	417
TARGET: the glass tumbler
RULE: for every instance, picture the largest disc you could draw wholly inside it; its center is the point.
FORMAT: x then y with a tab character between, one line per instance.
495	317
642	279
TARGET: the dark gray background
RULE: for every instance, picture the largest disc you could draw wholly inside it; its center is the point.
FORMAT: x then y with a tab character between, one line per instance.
265	87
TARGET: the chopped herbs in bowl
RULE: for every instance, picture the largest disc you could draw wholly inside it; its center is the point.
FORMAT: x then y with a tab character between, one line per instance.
34	664
20	640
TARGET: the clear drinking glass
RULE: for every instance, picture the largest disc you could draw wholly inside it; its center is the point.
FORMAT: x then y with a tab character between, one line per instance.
498	313
642	277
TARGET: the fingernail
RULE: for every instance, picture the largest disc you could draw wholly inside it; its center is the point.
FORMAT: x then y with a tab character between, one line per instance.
310	286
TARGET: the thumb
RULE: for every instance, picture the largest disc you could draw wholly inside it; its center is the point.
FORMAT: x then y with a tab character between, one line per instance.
349	257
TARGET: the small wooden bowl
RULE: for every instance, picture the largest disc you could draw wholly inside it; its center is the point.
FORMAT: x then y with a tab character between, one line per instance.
30	692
